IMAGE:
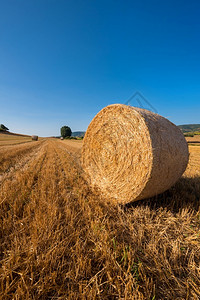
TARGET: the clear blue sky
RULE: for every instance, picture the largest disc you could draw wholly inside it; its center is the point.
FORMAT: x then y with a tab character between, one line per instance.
61	61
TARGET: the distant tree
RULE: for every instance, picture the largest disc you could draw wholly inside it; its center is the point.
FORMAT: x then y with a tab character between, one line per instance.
65	131
2	127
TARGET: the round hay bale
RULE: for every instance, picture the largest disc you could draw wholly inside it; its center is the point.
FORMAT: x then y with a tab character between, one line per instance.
131	153
62	138
34	138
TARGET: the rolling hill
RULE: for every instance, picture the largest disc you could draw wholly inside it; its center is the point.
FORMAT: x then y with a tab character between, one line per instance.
12	133
189	127
78	133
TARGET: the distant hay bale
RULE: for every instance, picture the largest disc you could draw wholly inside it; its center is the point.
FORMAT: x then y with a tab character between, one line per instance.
132	154
34	138
62	138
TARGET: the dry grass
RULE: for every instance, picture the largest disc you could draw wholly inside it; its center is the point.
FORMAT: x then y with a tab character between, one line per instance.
59	240
14	139
194	139
73	144
10	156
7	139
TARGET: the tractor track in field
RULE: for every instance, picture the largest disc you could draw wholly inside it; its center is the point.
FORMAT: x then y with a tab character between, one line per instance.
66	161
73	152
10	156
24	178
21	163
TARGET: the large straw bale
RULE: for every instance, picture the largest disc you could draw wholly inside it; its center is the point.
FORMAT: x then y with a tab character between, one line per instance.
131	153
34	138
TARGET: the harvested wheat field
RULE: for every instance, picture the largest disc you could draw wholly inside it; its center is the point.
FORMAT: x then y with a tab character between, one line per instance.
60	240
13	139
195	139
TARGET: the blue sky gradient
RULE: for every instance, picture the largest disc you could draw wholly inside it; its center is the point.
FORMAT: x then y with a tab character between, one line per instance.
61	61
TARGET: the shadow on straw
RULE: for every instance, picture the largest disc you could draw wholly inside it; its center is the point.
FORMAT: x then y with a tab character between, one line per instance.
184	194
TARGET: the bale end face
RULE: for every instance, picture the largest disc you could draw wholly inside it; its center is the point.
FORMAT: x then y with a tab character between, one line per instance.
132	154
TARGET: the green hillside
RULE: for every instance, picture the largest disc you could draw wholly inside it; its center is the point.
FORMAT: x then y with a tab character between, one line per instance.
78	133
190	128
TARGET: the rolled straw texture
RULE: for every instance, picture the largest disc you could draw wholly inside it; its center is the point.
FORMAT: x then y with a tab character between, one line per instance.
131	153
34	138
